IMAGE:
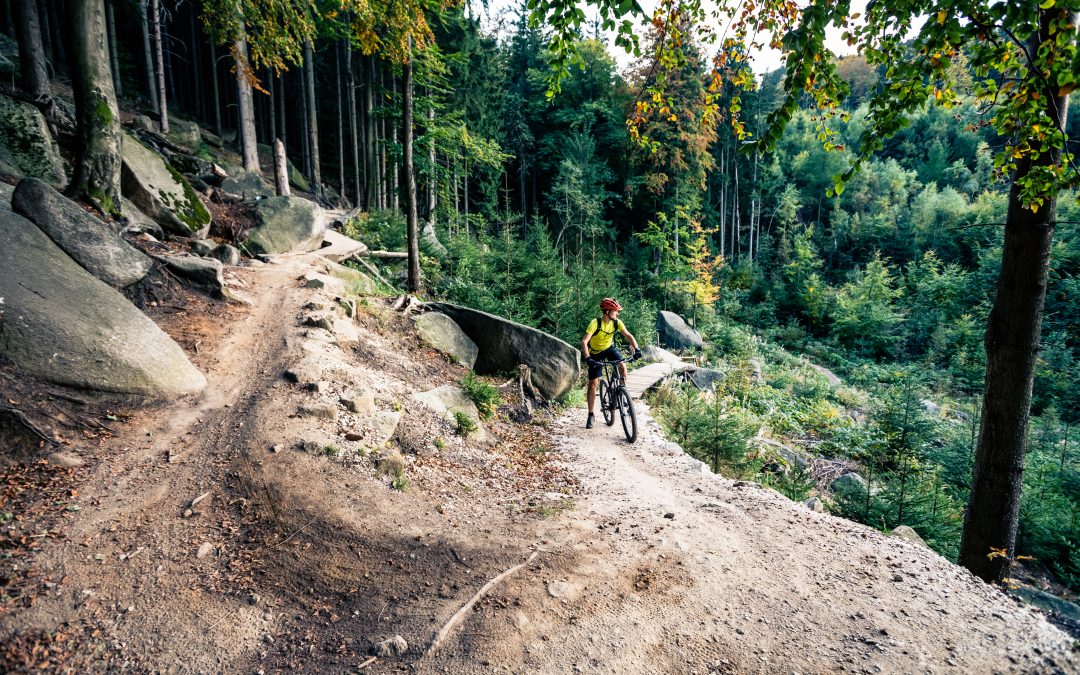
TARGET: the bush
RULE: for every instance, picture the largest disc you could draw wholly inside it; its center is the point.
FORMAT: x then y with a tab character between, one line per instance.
465	424
483	394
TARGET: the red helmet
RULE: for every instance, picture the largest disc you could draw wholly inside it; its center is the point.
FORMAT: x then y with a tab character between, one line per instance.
610	305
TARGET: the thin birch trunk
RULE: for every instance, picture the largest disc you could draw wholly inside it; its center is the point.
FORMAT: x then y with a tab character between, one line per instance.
216	87
409	177
159	65
340	123
353	132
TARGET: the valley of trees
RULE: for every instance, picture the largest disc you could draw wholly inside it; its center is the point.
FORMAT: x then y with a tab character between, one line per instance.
440	128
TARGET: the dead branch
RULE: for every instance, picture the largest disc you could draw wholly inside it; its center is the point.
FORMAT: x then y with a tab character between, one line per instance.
449	625
384	255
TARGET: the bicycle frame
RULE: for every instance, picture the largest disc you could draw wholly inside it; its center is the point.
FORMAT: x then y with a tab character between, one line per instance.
613	395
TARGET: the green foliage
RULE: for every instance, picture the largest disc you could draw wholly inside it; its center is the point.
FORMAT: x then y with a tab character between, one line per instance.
465	424
400	482
483	394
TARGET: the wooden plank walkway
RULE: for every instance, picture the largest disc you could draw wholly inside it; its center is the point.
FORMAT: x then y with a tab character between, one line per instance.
639	381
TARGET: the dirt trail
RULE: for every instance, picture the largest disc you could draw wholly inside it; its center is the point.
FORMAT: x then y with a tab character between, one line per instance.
652	565
664	567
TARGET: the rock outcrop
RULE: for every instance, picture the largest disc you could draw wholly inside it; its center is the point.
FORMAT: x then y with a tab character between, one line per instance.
706	379
160	191
92	243
674	333
284	224
62	324
26	146
442	333
503	344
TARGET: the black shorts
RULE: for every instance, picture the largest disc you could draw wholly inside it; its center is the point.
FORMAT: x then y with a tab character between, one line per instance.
612	353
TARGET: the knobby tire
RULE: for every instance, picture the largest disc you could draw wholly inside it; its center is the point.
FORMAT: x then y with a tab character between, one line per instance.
626	412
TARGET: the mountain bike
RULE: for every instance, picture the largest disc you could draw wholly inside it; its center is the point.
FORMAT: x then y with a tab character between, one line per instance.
614	396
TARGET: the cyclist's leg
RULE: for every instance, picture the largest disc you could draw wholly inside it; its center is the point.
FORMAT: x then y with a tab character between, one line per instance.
615	356
592	393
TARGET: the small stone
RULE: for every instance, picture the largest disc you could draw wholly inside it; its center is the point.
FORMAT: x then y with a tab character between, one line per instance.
318	410
354	436
897	577
276	448
669	516
65	459
395	646
205	550
202	247
358	401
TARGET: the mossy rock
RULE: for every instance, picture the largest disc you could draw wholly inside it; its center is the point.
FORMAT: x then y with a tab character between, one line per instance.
26	146
161	192
284	224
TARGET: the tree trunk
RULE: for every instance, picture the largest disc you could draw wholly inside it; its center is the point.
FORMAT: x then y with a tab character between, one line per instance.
159	65
370	172
110	18
340	125
1012	345
59	53
433	178
248	140
354	136
216	89
313	121
198	89
35	77
408	176
281	169
97	166
392	133
46	33
272	106
148	59
283	130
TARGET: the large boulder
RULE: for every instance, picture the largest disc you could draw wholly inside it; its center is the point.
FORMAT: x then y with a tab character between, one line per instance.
160	191
503	344
284	224
674	333
184	132
654	354
26	146
64	325
706	379
906	532
203	271
245	185
92	243
850	484
137	221
442	333
6	191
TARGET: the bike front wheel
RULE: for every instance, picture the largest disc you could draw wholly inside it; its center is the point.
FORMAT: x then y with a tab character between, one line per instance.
607	405
626	412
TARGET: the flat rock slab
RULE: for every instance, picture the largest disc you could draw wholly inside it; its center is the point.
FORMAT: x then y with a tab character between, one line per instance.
26	144
443	333
205	271
160	191
447	401
92	243
337	247
63	324
503	344
284	224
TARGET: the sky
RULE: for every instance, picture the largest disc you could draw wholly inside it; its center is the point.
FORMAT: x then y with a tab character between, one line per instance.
762	61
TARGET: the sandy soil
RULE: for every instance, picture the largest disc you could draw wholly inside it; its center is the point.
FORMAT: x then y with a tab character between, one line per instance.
310	558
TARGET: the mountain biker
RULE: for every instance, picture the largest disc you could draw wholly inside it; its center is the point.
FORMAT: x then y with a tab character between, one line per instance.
599	345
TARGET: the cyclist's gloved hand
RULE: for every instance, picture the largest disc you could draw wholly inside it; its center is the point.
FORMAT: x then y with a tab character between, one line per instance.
637	353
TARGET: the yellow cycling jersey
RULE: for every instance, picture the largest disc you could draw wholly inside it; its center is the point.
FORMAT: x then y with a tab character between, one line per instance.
603	334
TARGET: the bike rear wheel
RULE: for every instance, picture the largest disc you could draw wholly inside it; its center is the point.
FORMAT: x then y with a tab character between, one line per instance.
607	405
626	412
